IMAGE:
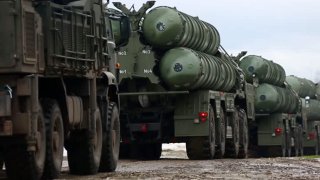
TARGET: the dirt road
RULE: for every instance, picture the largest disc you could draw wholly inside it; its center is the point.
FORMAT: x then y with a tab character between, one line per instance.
175	165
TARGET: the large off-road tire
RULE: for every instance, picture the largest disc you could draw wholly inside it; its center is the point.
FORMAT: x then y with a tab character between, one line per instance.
54	138
23	164
244	134
111	140
220	135
232	145
203	147
84	149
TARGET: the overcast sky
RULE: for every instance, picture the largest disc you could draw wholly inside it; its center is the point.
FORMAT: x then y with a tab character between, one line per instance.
285	31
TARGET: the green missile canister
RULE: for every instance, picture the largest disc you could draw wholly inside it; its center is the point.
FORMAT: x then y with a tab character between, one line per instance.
302	86
273	99
312	109
318	91
183	68
264	70
165	27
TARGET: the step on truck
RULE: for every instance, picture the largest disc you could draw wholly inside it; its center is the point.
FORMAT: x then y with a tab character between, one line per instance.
177	84
58	88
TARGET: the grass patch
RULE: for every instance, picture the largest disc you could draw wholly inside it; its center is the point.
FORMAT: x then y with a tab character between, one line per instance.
311	157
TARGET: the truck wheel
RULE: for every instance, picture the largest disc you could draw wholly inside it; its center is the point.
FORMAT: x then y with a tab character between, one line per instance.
111	140
243	134
220	136
23	164
84	149
203	147
232	145
55	138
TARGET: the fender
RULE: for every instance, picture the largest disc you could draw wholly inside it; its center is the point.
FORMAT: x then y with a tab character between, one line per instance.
110	78
112	86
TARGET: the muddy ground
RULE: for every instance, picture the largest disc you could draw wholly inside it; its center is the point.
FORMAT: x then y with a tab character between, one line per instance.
175	165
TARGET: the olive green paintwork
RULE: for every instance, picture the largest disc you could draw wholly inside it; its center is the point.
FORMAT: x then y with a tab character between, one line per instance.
313	110
189	105
46	46
183	68
134	16
142	75
75	54
249	96
267	125
271	99
137	60
318	91
264	70
166	27
18	38
120	25
116	31
56	62
302	86
310	129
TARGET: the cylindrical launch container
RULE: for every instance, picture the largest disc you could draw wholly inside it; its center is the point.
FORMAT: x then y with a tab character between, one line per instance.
264	70
165	27
302	86
313	109
183	68
271	99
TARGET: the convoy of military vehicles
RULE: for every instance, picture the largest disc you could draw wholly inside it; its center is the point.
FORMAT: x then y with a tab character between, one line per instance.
102	82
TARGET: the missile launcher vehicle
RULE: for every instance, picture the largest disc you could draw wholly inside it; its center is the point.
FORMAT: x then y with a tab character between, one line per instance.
309	116
58	88
177	84
277	129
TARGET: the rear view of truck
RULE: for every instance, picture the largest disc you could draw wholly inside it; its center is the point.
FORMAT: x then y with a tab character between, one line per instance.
177	84
276	130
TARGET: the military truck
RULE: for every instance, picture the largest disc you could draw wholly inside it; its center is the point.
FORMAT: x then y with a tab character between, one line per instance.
309	116
177	84
58	88
277	129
